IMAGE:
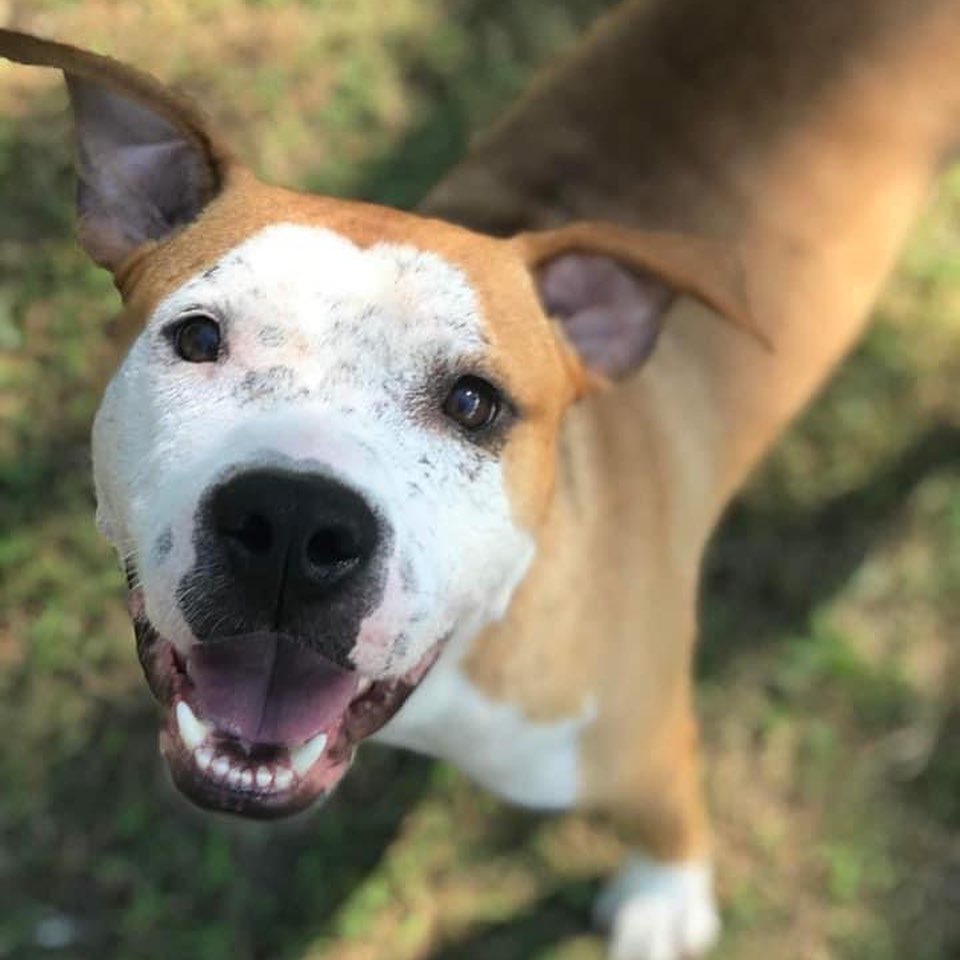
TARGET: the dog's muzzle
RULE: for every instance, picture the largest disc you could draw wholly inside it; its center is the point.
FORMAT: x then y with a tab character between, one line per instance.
298	554
265	710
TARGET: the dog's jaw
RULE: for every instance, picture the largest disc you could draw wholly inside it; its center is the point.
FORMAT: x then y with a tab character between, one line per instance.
220	770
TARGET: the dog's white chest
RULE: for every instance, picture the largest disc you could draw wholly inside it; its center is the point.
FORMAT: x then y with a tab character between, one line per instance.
527	763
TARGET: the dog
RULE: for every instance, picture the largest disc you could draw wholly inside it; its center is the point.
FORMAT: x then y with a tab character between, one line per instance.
445	478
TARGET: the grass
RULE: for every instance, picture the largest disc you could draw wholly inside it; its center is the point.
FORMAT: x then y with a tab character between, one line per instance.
828	674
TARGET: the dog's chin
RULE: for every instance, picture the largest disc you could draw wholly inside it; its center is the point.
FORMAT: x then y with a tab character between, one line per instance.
286	752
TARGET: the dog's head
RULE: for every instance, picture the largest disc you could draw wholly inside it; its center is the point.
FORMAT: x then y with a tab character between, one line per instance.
330	446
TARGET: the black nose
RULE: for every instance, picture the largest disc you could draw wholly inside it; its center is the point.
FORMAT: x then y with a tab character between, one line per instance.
299	535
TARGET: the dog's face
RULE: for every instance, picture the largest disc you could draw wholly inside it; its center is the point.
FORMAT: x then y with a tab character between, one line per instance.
321	461
330	447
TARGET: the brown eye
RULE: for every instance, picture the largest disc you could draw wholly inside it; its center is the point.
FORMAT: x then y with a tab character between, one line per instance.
197	339
473	403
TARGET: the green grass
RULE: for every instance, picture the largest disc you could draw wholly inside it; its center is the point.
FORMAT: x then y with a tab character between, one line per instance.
832	593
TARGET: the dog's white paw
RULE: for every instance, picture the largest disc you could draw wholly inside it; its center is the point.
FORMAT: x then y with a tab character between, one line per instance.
658	911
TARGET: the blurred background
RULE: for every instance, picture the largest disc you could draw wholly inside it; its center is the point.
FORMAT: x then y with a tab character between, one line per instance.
829	665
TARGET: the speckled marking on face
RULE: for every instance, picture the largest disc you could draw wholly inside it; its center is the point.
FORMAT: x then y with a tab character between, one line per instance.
275	384
271	336
163	545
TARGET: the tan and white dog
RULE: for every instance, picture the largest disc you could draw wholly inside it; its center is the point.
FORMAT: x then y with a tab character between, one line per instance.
357	460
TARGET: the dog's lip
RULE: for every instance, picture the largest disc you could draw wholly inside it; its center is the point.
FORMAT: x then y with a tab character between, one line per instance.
255	780
220	771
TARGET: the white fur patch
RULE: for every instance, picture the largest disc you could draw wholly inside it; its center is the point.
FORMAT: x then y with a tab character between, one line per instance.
334	360
660	911
527	763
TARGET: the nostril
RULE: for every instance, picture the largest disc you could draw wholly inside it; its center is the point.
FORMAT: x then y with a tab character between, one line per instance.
300	534
333	547
253	532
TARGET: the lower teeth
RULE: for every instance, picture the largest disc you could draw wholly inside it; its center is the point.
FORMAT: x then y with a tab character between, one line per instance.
264	778
194	733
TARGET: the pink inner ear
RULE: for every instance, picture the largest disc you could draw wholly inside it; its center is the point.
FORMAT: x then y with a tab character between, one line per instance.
140	177
611	315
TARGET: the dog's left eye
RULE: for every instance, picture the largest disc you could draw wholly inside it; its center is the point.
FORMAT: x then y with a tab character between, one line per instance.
473	403
197	339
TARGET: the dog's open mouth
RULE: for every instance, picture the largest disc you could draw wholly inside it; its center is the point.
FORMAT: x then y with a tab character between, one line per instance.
260	725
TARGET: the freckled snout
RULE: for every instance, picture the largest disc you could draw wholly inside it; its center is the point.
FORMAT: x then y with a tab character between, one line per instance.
290	552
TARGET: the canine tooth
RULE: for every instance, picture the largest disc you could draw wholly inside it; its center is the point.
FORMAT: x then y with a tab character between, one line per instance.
203	757
264	777
364	685
283	778
246	778
192	731
304	757
221	766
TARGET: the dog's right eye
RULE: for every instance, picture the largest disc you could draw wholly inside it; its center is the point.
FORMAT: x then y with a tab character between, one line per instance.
197	339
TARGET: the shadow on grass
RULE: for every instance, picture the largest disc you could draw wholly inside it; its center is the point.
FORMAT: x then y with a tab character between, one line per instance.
768	570
766	575
548	921
107	844
936	791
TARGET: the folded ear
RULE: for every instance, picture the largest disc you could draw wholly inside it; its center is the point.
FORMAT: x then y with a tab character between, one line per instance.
146	161
610	287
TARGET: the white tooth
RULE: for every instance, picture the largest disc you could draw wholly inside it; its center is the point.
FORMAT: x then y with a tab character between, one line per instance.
192	731
246	778
221	767
304	757
203	757
283	779
364	685
263	777
235	776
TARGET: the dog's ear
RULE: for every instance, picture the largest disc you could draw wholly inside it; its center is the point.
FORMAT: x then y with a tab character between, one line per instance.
609	288
147	163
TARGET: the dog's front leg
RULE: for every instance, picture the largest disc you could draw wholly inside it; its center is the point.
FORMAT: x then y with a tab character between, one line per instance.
661	904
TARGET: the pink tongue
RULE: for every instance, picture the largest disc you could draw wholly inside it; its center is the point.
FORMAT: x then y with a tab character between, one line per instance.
266	688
